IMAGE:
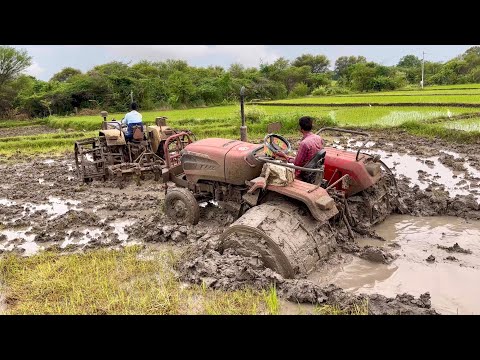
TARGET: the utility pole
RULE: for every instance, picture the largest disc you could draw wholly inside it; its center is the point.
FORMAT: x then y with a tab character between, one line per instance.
423	66
243	128
131	96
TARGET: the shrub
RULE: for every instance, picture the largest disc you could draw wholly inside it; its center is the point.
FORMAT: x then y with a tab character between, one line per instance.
320	91
299	90
254	114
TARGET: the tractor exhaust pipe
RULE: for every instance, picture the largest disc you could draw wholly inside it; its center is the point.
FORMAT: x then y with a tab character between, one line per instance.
243	128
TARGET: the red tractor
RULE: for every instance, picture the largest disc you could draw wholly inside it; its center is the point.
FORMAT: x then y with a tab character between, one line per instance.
283	221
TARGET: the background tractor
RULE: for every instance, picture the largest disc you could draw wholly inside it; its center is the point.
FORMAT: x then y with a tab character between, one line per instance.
112	156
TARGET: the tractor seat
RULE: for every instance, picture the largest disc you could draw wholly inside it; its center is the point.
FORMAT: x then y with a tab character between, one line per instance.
317	160
315	163
136	132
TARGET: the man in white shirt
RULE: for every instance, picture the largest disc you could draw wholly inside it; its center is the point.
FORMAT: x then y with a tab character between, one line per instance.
132	118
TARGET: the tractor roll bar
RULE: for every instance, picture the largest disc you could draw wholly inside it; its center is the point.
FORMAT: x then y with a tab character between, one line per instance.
346	131
168	158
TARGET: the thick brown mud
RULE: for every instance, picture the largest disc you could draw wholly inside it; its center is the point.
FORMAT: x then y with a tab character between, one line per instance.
26	131
43	206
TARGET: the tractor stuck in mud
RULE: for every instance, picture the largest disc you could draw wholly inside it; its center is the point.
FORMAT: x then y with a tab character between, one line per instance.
285	222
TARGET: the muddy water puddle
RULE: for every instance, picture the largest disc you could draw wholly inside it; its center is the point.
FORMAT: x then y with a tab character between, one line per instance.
13	236
423	171
291	308
55	206
453	283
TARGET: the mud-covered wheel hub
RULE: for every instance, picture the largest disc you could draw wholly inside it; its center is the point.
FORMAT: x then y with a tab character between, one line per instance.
181	206
179	209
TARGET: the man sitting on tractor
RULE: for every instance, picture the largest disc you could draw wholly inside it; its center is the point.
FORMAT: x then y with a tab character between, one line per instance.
133	118
308	148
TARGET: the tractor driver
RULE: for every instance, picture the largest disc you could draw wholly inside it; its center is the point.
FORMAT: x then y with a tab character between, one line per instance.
308	148
132	118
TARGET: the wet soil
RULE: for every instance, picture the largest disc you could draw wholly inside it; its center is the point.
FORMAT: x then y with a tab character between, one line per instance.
43	206
421	263
26	130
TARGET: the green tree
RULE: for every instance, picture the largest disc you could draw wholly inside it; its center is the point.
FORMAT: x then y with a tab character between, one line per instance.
318	63
12	63
65	74
410	61
343	63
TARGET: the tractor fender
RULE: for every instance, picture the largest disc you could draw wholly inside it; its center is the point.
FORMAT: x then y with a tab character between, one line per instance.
321	205
113	137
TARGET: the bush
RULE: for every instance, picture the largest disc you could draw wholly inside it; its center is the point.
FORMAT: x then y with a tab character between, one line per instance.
254	114
337	90
299	90
334	90
320	91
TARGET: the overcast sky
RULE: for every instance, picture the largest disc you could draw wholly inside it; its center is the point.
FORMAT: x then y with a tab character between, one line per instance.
49	59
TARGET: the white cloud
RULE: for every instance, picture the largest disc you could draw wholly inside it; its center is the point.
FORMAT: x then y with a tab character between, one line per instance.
157	52
248	55
34	70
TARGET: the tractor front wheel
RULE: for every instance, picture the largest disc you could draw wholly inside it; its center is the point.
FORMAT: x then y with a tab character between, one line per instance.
181	205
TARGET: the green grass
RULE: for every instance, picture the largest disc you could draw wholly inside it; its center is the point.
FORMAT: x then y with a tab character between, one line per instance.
271	299
469	125
42	144
18	123
111	282
375	98
457	86
225	121
440	131
356	309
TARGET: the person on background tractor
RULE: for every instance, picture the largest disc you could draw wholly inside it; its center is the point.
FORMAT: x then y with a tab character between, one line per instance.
308	148
133	118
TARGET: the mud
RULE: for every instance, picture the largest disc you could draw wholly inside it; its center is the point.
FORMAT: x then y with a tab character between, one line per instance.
26	131
420	265
42	206
455	248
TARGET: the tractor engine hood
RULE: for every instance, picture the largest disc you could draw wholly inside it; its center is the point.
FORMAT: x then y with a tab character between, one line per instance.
224	160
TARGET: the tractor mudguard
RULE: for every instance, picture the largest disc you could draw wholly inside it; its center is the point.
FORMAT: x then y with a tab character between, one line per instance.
321	205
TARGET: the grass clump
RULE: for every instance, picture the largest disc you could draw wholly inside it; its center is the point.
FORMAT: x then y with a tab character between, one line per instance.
356	309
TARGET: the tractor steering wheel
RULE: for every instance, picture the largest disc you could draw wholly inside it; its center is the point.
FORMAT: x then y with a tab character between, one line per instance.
275	143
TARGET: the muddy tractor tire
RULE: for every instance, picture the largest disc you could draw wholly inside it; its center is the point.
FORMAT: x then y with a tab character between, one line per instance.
181	205
285	239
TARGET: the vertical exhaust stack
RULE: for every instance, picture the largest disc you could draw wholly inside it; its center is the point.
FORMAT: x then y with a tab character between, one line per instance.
104	114
243	128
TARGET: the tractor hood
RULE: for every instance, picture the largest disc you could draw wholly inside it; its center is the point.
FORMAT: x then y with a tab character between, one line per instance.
224	160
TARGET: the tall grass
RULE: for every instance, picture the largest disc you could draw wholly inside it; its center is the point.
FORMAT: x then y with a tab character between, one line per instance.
470	125
374	98
18	123
355	309
44	144
111	282
271	300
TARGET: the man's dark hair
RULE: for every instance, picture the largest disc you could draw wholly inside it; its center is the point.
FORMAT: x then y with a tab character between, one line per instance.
306	123
134	106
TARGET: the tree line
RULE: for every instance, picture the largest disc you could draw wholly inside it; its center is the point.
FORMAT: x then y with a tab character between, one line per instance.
174	83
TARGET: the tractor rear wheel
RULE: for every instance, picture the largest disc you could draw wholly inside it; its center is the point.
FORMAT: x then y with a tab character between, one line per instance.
285	238
181	205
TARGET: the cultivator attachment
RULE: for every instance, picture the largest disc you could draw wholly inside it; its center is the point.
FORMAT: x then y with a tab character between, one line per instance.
96	160
89	159
147	162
